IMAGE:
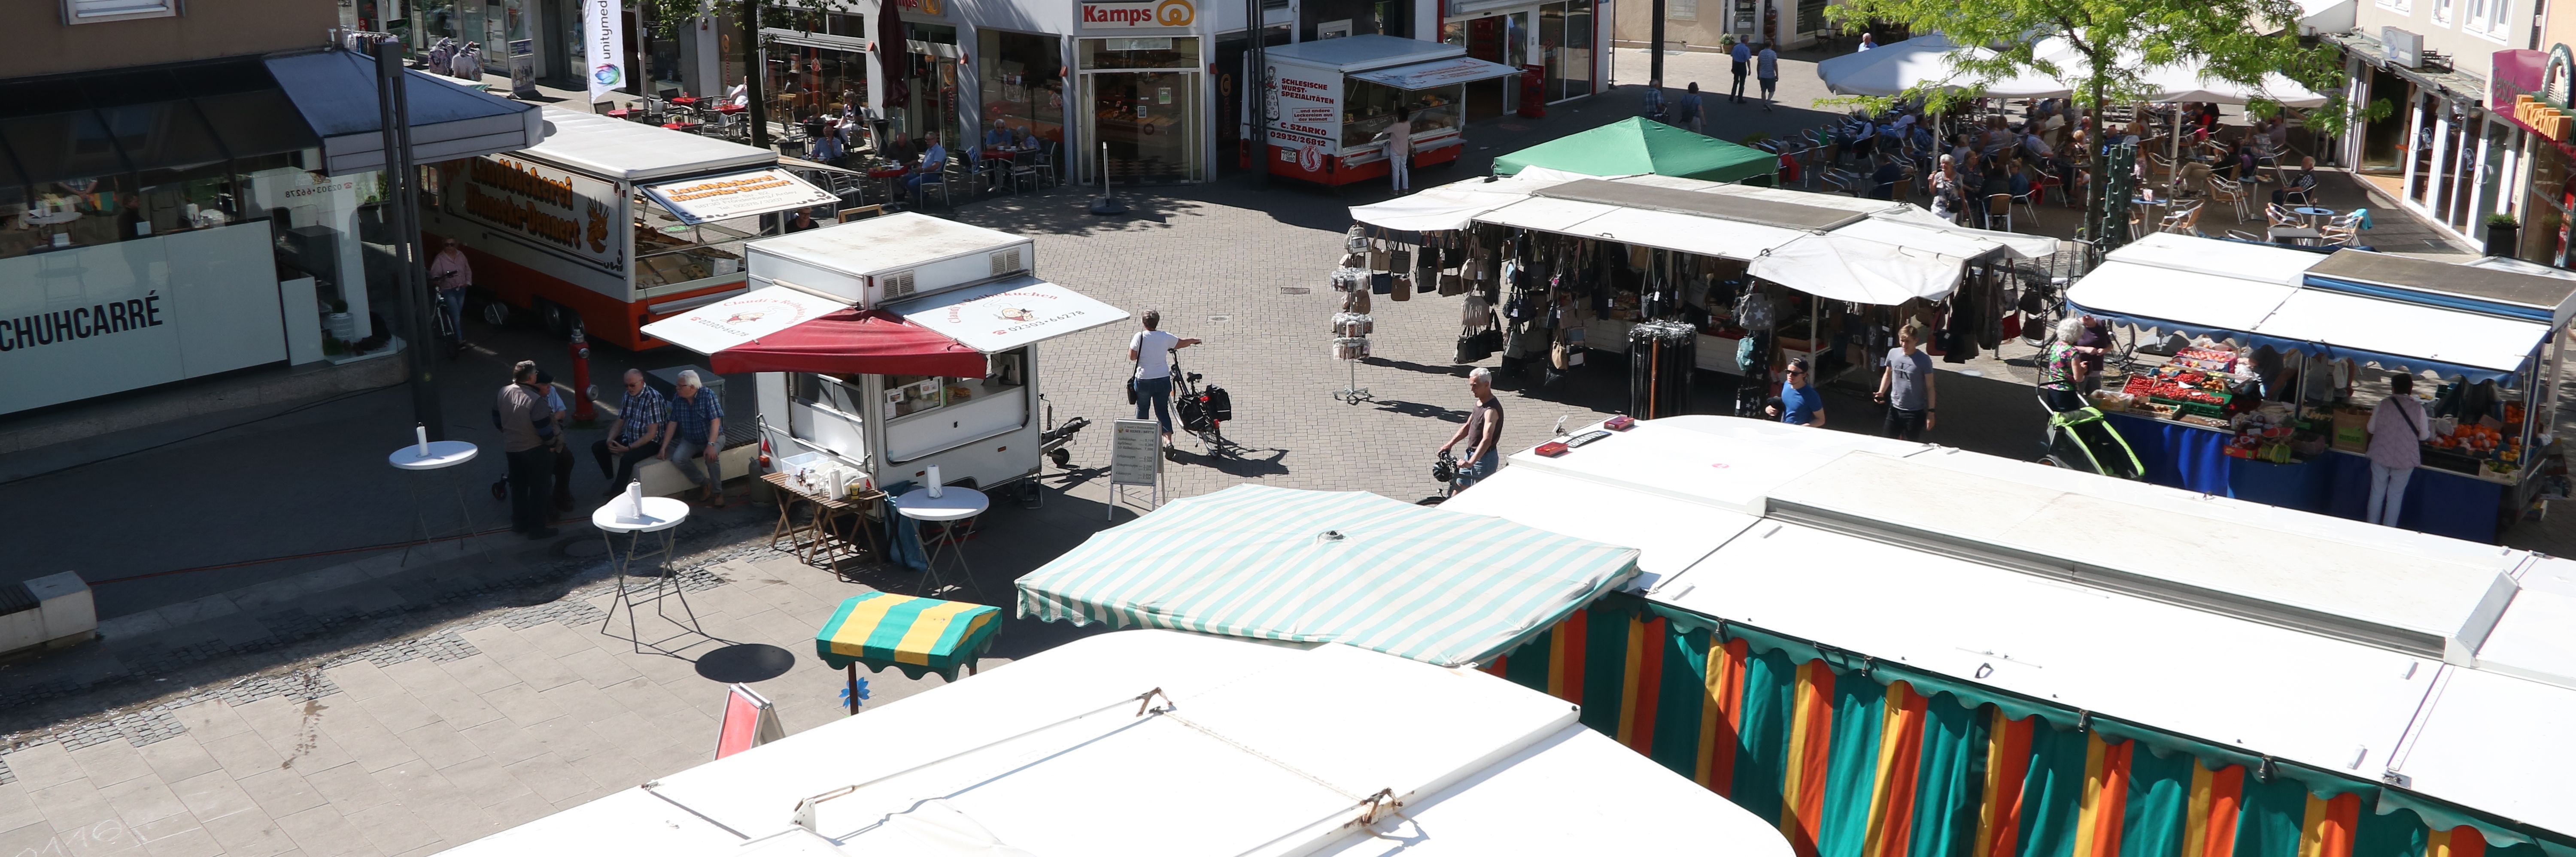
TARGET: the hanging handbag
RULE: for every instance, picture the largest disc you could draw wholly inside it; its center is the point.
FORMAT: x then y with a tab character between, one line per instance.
1381	282
1378	257
1131	375
1400	262
1402	289
1467	343
1354	259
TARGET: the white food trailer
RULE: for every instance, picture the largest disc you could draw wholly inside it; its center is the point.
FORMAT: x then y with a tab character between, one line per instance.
1329	101
894	344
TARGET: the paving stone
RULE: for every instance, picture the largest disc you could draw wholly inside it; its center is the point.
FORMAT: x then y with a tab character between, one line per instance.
17	809
249	834
552	777
393	829
111	762
213	795
486	780
324	832
281	792
440	745
142	800
350	788
245	754
42	766
480	673
178	837
72	805
522	704
366	741
178	758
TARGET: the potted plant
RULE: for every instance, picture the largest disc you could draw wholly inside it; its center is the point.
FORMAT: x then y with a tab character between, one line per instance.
2502	230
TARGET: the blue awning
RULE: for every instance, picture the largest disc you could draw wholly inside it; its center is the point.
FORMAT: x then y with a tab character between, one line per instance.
335	91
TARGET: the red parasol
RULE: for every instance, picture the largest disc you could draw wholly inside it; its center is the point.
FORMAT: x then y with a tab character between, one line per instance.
854	342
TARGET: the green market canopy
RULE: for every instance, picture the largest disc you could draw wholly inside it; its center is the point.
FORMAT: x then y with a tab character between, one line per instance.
915	635
1417	582
1636	146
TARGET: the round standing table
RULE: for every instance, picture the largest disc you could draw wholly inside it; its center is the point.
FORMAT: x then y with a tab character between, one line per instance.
953	504
661	515
440	455
2312	213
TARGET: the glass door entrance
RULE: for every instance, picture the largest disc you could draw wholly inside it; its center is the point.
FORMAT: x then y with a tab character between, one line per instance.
1494	38
1143	120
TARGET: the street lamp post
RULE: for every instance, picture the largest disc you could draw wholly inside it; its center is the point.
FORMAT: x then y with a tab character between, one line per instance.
402	218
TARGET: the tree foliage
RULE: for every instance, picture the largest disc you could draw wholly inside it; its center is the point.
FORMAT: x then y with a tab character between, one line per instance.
2113	42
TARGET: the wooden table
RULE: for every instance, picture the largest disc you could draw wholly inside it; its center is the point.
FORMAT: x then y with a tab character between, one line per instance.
825	538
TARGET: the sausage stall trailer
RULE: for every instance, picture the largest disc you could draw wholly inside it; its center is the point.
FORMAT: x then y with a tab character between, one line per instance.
894	344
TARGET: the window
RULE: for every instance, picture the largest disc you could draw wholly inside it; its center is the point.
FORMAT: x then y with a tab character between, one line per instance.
2494	24
671	253
1369	107
98	11
2442	12
906	395
1681	10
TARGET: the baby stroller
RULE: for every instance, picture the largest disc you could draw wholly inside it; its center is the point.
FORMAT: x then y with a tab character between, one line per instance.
2082	439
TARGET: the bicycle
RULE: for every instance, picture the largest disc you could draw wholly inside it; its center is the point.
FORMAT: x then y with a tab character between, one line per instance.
1203	412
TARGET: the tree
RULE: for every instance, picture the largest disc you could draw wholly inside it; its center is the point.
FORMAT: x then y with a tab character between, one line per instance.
2112	43
670	16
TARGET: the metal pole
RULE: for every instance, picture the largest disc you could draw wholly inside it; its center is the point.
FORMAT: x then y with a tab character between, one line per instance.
1655	50
754	70
401	209
1258	74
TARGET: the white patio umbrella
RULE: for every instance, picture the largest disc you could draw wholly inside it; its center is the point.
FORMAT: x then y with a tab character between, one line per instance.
1924	60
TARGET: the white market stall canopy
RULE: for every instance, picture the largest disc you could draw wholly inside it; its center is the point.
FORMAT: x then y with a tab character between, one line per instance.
1836	247
2340	646
1160	742
1009	313
2287	299
743	194
1928	60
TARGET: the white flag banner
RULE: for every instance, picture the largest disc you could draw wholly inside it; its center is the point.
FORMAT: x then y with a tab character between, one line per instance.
603	30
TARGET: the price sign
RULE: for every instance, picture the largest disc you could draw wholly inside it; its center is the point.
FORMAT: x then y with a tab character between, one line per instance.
1136	452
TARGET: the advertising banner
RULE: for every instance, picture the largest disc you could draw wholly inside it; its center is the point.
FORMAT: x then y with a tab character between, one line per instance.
107	318
1304	106
566	212
603	32
696	201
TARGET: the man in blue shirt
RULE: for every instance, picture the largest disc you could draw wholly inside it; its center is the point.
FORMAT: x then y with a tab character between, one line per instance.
1742	53
1693	114
932	163
1800	403
1655	100
696	431
1766	71
635	436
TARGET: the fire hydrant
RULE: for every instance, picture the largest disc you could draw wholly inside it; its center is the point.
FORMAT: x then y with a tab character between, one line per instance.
583	414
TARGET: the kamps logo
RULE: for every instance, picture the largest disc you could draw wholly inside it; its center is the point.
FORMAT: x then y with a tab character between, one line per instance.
1174	13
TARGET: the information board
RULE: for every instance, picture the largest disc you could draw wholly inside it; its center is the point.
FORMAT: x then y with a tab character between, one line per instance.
1135	452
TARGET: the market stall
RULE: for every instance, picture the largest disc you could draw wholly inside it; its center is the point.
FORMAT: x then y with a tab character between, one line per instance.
892	349
1329	104
2271	399
1638	146
1576	264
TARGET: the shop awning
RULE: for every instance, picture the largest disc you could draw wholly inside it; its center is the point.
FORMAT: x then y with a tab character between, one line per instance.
2397	335
1445	72
918	636
779	329
1343	567
743	194
1636	146
1007	314
2147	296
335	92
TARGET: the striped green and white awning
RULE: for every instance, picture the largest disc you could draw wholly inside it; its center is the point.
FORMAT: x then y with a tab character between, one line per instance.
1417	582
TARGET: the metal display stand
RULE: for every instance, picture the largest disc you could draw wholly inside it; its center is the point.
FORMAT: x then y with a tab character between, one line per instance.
436	455
661	515
1135	459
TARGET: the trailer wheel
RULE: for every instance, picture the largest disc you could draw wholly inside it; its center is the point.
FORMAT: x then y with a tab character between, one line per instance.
558	319
1062	457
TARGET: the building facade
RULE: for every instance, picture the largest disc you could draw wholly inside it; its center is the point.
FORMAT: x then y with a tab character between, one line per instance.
2438	148
183	188
1707	24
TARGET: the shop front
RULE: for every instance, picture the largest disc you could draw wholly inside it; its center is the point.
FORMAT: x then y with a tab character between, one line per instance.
1142	91
2440	151
1019	80
812	74
1560	41
2530	99
923	95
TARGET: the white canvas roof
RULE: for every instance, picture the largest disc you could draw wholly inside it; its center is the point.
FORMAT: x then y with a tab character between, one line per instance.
633	151
2212	257
2133	601
2413	330
1669	537
880	244
731	195
2143	294
742	318
1006	314
1050	756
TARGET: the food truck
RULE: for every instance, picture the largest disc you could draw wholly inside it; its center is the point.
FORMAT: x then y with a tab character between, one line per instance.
893	344
1328	101
611	223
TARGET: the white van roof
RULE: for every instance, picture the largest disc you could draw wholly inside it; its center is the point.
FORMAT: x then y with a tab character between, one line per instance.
633	151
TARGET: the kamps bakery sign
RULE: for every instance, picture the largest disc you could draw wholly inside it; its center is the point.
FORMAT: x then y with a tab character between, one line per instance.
1157	15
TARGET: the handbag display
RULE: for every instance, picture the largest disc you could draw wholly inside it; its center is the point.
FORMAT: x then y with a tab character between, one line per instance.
1400	262
1379	257
1402	289
1351	348
1381	282
1356	302
1353	324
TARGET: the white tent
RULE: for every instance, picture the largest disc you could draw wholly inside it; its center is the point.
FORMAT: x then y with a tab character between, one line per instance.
1842	267
1157	742
2180	82
1894	68
1456	204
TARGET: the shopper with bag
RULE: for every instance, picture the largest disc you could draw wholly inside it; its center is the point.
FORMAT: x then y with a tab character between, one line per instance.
2397	433
1151	350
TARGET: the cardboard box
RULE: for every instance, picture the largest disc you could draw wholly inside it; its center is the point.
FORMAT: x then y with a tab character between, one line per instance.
2351	429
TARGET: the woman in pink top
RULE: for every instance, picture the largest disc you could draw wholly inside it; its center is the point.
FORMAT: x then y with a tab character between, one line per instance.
2397	432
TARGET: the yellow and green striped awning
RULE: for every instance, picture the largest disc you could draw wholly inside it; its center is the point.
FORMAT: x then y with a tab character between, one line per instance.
1267	563
915	635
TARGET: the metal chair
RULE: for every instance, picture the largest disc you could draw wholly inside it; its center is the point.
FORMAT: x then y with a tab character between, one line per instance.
2023	201
1999	207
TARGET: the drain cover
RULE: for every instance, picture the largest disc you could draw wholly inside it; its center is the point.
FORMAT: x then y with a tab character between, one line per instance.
1295	290
1220	318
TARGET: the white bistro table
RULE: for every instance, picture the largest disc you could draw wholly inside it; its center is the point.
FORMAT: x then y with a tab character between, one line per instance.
439	455
953	504
661	515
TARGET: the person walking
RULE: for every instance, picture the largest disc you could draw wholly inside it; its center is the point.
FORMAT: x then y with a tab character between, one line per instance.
1151	350
527	428
2061	367
2397	431
1906	386
1399	150
562	449
1693	115
1766	68
636	435
1742	54
1799	403
695	431
1654	102
451	275
1483	431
